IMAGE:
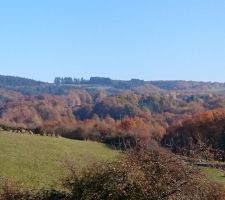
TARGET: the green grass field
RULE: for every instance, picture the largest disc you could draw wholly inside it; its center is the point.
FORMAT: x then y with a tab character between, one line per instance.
37	160
214	175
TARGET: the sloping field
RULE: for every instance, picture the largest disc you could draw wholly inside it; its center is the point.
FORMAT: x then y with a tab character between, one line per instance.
37	160
214	175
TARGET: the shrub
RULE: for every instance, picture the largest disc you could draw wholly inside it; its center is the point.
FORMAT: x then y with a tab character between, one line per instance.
15	191
143	175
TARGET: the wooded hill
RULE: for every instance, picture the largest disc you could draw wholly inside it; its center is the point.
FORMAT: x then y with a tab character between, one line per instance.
147	110
12	81
62	84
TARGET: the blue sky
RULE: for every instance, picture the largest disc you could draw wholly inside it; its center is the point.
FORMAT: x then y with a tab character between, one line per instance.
121	39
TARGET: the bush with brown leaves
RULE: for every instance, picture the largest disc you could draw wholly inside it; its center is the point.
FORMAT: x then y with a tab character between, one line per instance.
143	175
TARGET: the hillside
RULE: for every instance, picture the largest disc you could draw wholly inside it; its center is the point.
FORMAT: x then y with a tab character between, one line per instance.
102	109
95	109
61	85
13	81
37	160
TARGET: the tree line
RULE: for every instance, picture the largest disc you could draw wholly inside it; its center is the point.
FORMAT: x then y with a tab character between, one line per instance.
98	81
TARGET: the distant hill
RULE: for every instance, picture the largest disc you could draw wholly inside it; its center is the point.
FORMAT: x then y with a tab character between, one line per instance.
30	104
13	81
181	85
177	85
61	85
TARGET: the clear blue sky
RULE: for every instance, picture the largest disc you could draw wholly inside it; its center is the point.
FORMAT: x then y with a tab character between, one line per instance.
121	39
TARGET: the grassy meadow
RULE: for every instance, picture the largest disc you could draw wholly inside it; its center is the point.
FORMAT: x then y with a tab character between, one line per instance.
214	175
37	160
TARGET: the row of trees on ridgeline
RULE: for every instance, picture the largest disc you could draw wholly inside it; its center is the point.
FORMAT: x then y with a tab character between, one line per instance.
75	81
96	80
